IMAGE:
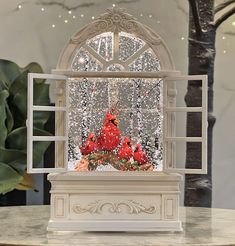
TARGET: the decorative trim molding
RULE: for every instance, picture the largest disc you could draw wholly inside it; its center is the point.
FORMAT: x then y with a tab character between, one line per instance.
114	208
115	20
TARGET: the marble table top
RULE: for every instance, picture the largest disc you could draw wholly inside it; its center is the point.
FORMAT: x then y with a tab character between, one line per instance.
26	225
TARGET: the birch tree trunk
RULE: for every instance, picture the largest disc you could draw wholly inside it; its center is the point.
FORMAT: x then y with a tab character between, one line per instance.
201	56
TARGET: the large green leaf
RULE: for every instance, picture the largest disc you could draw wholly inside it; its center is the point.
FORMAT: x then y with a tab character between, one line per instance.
16	159
40	118
9	119
41	97
18	165
9	71
9	178
39	149
17	139
3	85
20	82
18	90
10	155
3	116
34	67
41	94
13	114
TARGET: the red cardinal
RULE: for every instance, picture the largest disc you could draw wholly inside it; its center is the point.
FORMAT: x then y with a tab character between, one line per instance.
125	152
139	155
89	146
109	137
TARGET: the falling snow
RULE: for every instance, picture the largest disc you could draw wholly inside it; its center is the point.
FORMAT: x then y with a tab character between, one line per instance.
139	101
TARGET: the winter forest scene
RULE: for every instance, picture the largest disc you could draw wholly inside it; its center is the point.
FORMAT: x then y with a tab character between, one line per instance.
115	124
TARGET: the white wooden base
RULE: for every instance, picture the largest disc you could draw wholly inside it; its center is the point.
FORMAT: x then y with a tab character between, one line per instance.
114	201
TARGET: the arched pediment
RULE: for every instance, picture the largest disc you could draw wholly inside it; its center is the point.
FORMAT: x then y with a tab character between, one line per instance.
116	20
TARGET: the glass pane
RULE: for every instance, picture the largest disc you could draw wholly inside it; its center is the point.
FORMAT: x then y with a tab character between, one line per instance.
84	61
193	96
147	62
180	151
103	45
128	45
95	106
44	154
194	120
51	90
55	123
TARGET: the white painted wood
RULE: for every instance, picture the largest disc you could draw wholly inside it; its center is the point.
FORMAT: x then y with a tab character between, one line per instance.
32	76
204	122
170	164
29	123
30	137
185	139
49	108
115	201
91	201
184	109
47	170
121	74
49	138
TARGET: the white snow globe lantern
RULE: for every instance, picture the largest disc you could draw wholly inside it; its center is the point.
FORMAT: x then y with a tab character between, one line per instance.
109	176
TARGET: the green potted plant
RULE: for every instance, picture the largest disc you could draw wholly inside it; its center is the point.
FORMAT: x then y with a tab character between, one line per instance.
13	131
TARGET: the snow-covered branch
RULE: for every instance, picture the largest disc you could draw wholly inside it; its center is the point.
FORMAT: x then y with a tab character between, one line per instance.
224	17
223	5
138	84
195	13
84	105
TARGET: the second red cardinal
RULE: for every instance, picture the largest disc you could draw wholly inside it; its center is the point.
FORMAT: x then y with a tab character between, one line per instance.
139	155
89	146
109	137
125	152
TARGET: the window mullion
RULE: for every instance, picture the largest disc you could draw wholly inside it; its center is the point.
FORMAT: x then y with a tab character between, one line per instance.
95	55
116	47
135	56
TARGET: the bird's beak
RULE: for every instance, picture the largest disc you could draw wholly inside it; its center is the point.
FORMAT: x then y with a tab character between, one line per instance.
115	122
